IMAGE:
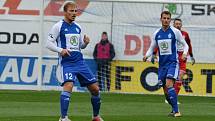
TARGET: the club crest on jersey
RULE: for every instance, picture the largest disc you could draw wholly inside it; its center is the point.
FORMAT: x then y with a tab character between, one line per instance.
169	35
77	30
74	40
164	45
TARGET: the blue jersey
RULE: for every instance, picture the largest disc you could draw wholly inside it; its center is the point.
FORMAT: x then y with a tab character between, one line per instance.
166	41
167	45
67	36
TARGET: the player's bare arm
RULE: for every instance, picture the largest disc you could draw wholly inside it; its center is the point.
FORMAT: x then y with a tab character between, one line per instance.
86	39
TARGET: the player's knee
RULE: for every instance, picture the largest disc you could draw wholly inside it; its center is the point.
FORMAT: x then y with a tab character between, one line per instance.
181	75
95	91
68	86
169	86
169	83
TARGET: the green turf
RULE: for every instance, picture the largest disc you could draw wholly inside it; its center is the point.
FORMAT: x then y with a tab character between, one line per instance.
44	106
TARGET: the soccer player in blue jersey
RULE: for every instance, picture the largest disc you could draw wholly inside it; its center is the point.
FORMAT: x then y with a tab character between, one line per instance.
166	38
67	40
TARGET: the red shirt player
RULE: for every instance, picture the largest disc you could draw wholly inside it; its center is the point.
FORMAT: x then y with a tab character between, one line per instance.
182	64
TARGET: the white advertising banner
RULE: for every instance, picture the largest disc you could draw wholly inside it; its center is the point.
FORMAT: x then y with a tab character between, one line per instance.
129	28
20	38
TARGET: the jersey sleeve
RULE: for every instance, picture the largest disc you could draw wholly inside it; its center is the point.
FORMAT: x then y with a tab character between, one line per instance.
180	38
152	46
51	43
187	38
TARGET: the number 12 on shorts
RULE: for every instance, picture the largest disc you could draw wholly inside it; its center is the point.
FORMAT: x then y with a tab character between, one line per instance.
69	76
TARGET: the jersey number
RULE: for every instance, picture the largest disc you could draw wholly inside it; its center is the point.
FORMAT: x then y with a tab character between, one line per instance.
68	76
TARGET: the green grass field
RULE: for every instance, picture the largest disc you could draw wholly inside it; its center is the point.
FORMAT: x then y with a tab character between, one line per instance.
44	106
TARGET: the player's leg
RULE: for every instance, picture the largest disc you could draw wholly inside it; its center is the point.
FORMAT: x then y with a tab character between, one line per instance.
166	95
86	78
172	94
65	100
95	97
172	75
162	71
95	101
168	100
182	66
178	82
68	78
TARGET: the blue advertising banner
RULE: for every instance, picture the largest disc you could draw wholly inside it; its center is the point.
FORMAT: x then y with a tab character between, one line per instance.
24	71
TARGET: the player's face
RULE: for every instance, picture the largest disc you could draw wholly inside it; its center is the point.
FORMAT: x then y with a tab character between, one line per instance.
71	13
165	20
177	24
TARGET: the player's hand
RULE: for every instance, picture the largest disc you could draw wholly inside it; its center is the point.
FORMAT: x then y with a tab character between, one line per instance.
184	57
154	57
193	61
86	39
145	58
64	53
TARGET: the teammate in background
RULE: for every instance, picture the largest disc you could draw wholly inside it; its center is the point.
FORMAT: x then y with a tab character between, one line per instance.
67	40
103	54
166	38
182	63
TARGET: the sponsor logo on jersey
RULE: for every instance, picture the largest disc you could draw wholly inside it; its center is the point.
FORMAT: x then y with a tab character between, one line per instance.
164	45
74	40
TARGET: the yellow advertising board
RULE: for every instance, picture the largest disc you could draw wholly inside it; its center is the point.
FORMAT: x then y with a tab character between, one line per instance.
141	77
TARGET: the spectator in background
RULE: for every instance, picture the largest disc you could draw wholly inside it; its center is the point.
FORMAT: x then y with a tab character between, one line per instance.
103	54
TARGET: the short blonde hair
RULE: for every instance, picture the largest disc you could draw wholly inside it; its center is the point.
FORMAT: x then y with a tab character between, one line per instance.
68	4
